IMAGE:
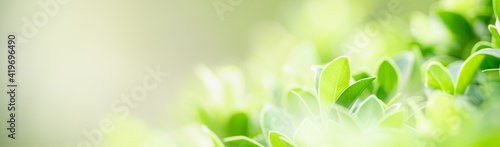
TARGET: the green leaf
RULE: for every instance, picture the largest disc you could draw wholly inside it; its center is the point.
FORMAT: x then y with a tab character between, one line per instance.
334	80
495	37
238	141
307	135
238	125
352	92
438	77
470	67
274	119
369	89
279	140
217	142
387	76
394	120
370	111
496	8
457	24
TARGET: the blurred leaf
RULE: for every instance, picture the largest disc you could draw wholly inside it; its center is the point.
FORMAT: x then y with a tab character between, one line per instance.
274	119
238	125
409	65
342	117
438	77
370	111
457	24
307	135
204	116
492	75
317	70
405	62
348	97
279	140
217	142
360	76
394	120
491	70
470	67
442	111
296	105
443	59
392	109
454	69
496	8
387	77
238	141
311	100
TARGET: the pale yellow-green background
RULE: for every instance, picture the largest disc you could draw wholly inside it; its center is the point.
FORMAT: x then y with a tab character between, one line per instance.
93	51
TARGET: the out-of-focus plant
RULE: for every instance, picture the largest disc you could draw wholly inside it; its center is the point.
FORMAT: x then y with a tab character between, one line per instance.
442	90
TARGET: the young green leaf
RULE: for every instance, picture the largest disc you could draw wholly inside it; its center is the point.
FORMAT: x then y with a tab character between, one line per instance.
437	76
387	77
279	140
348	97
238	125
217	142
370	111
238	141
470	67
334	80
307	135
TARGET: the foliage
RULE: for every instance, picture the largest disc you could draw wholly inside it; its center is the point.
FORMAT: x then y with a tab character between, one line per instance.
442	92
